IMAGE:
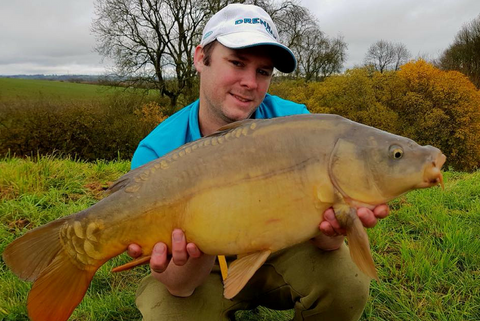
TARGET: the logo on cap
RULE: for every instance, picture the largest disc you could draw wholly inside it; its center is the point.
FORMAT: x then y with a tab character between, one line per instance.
256	21
207	34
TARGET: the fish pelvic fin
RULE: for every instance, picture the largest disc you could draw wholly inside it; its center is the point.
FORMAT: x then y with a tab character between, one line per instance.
358	242
130	265
241	270
59	289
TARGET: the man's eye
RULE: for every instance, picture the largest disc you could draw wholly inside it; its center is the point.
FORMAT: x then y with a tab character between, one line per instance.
236	63
264	72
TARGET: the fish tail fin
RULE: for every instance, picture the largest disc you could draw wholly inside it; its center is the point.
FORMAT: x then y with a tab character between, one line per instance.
358	243
30	254
60	282
58	290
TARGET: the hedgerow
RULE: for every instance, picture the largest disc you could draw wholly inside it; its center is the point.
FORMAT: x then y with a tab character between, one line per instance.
109	129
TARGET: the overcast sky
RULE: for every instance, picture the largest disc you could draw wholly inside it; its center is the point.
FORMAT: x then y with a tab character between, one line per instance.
53	36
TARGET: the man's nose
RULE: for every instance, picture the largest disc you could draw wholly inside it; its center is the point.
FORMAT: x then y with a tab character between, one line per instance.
249	79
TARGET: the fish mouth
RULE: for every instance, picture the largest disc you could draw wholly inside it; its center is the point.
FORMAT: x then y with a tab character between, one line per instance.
432	175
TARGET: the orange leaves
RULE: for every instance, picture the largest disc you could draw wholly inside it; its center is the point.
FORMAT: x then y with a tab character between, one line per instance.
446	112
150	115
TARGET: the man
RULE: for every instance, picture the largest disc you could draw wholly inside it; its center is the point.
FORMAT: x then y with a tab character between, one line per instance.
235	60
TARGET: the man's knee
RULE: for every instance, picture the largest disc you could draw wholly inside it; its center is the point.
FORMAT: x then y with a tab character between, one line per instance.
206	303
325	285
341	296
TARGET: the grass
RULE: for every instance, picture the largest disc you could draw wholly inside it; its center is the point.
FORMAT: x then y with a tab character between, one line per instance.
34	90
427	251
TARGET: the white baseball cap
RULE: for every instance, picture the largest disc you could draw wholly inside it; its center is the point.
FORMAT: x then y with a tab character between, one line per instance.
239	26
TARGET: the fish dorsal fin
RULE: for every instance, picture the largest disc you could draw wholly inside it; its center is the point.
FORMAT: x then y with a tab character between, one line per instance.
231	126
241	270
117	185
128	179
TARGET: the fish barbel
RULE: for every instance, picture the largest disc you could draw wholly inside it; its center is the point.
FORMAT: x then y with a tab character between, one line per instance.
254	187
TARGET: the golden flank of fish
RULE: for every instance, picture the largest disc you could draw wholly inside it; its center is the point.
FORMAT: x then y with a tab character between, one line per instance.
253	188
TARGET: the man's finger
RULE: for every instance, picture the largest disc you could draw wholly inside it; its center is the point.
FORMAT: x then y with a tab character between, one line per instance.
327	229
193	250
134	250
179	251
367	217
159	260
381	211
329	216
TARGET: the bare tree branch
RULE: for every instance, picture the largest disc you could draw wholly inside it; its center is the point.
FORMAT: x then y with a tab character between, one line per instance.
384	55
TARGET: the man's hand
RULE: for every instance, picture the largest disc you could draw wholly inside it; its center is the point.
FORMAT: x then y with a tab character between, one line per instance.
184	271
332	235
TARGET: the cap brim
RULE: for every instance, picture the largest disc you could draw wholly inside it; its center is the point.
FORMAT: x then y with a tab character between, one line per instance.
283	58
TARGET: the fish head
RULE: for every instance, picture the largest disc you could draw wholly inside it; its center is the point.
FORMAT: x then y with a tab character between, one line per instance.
371	167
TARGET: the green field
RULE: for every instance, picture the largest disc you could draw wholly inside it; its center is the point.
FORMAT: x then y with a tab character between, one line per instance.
14	90
30	89
427	251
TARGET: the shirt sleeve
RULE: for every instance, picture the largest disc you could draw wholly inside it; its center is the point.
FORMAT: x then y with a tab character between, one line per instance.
143	155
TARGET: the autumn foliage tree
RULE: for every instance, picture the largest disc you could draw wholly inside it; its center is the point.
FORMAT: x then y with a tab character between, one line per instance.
442	108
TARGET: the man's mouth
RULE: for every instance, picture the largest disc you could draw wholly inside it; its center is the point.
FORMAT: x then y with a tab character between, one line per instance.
242	99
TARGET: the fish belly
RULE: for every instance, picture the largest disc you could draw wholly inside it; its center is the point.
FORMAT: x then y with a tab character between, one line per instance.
260	214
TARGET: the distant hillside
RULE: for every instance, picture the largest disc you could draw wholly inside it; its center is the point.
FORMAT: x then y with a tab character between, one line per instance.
71	78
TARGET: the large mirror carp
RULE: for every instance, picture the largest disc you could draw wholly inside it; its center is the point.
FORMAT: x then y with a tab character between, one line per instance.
253	188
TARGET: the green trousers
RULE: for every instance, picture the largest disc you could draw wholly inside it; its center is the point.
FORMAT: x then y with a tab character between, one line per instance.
319	285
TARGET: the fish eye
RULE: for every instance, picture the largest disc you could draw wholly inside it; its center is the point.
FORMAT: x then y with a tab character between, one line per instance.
396	152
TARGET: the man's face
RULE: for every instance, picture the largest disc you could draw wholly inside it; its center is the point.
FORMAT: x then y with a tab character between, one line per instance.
235	82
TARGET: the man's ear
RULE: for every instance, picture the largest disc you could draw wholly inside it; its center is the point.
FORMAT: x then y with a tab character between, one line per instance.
198	58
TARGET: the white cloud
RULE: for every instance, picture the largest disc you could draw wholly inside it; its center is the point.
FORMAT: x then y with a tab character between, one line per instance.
47	37
426	27
53	36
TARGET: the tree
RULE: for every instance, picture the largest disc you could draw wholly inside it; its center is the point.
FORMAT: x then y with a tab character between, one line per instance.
384	55
401	55
441	108
317	55
464	54
152	41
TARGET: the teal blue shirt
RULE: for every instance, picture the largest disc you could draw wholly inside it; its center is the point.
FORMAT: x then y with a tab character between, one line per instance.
182	127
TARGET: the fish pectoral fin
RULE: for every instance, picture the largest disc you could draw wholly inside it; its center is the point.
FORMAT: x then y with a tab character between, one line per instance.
241	270
130	265
357	240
